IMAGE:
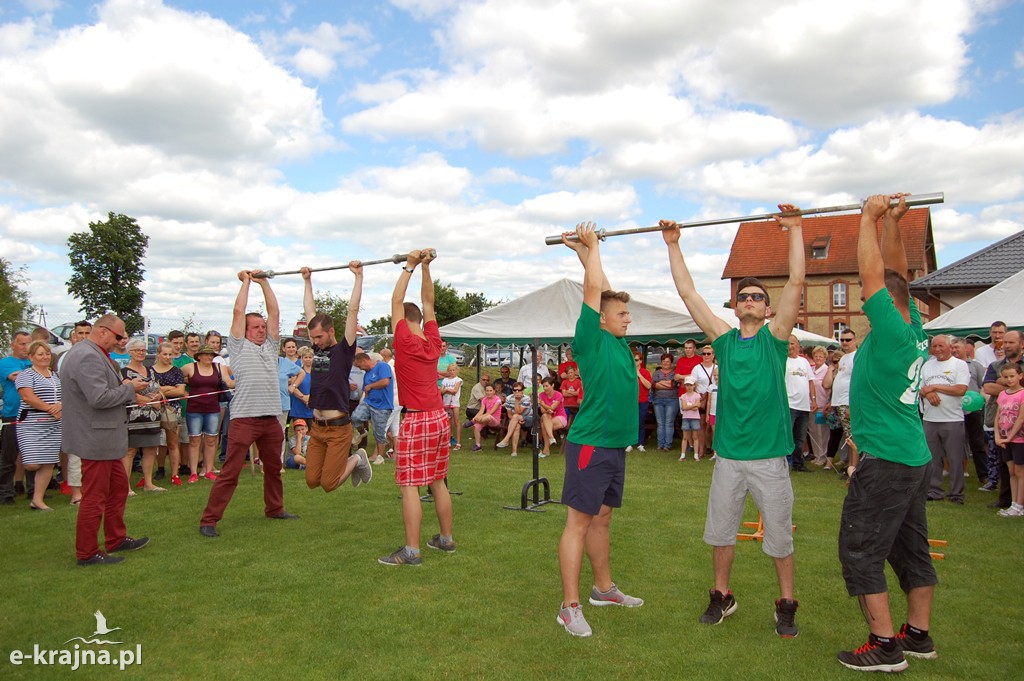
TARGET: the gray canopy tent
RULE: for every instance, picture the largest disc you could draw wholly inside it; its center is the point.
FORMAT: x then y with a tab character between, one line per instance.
548	315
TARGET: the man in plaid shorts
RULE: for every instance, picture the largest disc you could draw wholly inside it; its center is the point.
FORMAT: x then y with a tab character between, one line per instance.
422	447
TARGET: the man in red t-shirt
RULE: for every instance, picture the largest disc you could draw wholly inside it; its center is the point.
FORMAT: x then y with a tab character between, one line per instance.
687	363
422	447
563	368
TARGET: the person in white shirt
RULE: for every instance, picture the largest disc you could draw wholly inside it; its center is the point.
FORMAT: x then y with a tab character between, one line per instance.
986	354
802	401
839	384
944	381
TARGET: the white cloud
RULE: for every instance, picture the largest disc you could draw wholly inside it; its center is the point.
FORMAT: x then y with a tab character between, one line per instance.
991	224
318	52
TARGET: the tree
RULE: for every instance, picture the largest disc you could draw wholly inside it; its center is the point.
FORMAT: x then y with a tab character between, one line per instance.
476	303
335	306
14	305
381	326
448	305
107	269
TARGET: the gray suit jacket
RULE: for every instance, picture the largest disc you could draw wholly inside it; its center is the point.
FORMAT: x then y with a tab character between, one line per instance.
95	421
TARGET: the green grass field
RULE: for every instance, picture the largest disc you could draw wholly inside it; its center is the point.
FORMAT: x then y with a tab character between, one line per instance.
307	599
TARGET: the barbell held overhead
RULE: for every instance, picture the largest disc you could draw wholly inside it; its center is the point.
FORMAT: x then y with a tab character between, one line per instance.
396	259
602	234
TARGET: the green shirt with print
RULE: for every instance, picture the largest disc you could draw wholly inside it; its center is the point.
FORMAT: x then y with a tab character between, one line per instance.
608	415
752	418
885	383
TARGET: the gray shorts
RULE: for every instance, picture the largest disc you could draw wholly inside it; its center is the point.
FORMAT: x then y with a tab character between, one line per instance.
767	481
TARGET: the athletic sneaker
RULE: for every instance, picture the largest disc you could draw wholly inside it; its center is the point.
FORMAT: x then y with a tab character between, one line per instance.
872	657
378	460
400	557
988	487
785	618
629	449
614	597
501	445
363	471
572	620
446	545
923	648
641	448
720	607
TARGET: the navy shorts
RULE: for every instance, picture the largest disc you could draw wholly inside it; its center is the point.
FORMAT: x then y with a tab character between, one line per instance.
883	520
594	477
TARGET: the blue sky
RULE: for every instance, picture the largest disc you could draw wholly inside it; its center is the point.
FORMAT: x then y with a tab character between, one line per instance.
278	134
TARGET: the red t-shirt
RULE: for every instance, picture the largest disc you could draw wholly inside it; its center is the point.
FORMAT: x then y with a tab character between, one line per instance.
572	401
563	368
416	367
685	367
644	392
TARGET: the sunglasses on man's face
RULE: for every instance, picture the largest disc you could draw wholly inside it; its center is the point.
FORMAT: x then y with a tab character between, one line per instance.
846	340
757	297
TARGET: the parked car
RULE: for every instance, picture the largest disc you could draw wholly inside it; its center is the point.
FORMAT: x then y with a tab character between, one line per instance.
57	344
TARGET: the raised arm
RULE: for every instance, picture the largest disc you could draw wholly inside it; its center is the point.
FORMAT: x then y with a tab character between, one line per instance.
401	286
789	301
869	255
273	309
589	253
711	324
894	255
583	253
308	304
241	300
352	321
427	285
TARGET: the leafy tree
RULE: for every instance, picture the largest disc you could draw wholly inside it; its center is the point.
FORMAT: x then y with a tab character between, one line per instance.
107	269
14	305
336	306
448	305
381	326
476	303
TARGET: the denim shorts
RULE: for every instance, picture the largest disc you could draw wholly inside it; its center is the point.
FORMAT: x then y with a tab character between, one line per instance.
378	419
691	424
202	424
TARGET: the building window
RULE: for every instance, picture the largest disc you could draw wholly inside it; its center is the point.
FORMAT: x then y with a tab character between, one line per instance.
819	247
799	326
803	296
839	294
837	330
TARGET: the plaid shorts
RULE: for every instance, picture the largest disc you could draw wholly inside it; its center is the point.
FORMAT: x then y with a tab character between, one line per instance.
422	448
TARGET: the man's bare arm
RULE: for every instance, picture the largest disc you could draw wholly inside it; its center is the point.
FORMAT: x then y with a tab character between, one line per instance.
894	255
710	323
352	320
241	301
869	255
789	301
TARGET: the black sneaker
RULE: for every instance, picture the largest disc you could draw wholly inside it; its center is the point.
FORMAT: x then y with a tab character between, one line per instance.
100	559
785	618
872	657
720	607
159	474
923	649
130	544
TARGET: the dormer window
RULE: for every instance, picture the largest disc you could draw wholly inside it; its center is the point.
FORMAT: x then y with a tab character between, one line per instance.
819	247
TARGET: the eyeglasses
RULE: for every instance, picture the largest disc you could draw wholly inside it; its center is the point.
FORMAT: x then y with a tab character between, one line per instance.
707	354
118	336
137	350
757	297
846	340
517	390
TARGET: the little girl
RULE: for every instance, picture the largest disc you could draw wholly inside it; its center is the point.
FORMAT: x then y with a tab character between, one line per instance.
451	389
489	415
1010	435
689	405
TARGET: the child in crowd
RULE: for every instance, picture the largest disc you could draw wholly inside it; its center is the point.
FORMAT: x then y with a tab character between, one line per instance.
451	390
572	393
689	405
489	415
1010	436
552	413
295	457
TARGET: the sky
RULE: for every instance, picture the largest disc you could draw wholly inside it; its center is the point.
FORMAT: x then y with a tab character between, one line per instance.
274	135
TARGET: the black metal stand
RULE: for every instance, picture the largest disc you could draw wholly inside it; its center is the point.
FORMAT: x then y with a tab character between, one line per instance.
428	498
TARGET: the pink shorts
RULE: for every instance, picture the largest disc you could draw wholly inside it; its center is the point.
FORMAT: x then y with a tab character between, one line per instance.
422	448
488	422
711	419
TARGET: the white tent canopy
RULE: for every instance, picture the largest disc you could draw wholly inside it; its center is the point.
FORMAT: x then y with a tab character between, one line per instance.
1003	302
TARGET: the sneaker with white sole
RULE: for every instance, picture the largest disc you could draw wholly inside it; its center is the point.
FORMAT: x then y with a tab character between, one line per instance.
446	545
785	618
720	606
872	657
363	471
501	445
378	460
641	448
614	597
572	620
921	648
400	557
629	449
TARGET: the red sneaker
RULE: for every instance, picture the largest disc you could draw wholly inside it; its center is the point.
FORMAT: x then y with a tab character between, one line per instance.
175	480
65	489
193	478
210	476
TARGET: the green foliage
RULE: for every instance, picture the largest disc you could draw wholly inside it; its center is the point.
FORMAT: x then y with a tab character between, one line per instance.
450	307
14	305
107	269
380	326
335	306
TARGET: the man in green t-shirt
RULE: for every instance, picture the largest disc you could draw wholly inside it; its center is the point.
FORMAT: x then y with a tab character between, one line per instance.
595	448
752	423
884	511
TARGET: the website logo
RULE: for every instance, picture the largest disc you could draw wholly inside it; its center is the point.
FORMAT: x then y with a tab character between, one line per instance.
83	654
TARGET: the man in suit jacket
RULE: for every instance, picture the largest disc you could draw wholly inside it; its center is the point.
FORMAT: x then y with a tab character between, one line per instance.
95	428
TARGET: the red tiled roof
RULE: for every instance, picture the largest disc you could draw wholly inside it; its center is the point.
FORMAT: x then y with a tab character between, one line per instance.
761	249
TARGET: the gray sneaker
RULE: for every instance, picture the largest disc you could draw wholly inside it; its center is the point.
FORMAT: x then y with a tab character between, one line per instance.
400	557
614	597
446	545
363	471
572	620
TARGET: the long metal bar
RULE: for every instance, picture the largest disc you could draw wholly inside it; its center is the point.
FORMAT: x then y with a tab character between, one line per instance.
912	201
395	259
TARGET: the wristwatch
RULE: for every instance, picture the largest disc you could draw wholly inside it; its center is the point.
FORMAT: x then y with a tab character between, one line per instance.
408	269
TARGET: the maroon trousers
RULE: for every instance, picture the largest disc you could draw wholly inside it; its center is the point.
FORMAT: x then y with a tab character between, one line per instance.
266	432
104	493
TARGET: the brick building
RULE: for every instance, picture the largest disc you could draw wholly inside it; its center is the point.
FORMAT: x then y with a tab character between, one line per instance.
831	296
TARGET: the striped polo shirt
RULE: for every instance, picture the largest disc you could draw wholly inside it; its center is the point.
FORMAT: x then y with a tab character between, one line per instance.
255	370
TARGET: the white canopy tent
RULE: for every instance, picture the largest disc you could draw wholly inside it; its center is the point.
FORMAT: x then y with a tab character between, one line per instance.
1003	302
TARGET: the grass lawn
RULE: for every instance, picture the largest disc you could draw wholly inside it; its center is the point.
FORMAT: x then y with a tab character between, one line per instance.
307	599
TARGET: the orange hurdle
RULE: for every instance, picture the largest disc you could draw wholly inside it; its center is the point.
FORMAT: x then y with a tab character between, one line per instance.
758	533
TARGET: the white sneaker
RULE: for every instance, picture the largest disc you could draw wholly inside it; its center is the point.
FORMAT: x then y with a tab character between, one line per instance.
514	454
378	460
572	620
629	449
682	457
501	445
553	441
641	448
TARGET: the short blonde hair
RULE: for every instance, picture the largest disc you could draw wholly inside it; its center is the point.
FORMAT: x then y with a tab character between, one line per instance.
305	351
36	344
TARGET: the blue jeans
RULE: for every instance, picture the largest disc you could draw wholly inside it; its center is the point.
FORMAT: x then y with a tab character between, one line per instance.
798	420
642	413
665	411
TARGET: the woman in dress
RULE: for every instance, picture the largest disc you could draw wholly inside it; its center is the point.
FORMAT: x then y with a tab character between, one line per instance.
172	384
666	401
205	381
144	432
38	430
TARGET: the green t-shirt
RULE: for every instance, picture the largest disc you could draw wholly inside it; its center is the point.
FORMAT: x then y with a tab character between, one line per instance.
608	415
885	384
179	362
752	419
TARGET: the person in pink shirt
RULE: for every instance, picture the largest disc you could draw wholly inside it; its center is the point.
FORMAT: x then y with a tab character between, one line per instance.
489	415
1010	435
689	405
552	413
